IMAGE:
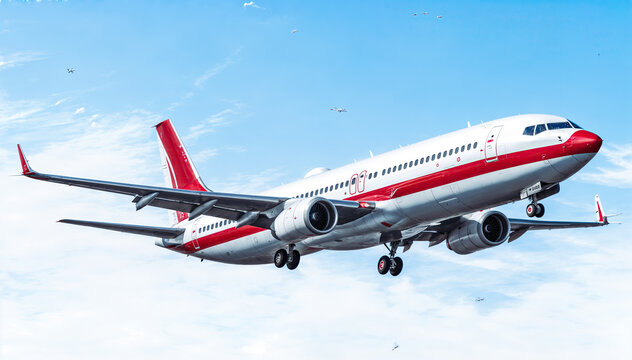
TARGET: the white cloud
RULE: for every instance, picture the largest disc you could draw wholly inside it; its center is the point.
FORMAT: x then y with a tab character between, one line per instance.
619	174
229	60
80	110
252	4
211	123
18	58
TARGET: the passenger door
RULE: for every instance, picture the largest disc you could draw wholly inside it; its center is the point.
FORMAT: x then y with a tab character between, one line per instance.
491	144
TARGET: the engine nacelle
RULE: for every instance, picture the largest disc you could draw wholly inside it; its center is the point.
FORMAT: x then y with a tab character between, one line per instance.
481	231
305	218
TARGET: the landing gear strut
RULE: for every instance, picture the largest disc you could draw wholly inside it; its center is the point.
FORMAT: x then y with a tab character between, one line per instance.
391	263
535	209
291	259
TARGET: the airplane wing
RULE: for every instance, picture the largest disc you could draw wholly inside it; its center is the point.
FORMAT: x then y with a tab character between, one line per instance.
222	205
161	232
437	232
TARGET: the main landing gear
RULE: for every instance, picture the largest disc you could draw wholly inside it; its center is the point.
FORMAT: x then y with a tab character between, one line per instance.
390	262
291	259
535	209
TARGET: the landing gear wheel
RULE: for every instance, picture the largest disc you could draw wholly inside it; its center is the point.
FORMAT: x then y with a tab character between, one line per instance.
280	258
293	260
539	210
398	265
531	210
383	265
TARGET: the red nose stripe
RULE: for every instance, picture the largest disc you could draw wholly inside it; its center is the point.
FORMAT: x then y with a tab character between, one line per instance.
582	142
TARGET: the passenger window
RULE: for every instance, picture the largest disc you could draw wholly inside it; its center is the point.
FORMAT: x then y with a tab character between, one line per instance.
346	183
394	168
421	161
326	189
475	143
341	186
540	128
311	193
370	176
389	171
410	164
225	222
469	146
433	157
383	172
559	125
336	187
450	152
428	158
417	162
321	190
528	130
438	156
375	174
400	166
462	148
331	188
456	150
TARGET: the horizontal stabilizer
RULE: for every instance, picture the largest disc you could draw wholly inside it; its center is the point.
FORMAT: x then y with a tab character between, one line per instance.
161	232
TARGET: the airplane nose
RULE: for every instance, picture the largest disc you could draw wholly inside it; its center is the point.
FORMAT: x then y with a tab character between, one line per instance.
584	142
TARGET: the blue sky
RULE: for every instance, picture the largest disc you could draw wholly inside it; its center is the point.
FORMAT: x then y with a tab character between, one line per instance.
252	102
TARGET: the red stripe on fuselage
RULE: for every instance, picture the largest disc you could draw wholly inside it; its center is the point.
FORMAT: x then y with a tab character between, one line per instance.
579	143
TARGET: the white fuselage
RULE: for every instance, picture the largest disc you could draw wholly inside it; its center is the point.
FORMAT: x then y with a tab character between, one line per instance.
483	166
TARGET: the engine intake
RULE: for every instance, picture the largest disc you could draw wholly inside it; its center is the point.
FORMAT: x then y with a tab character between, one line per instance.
305	218
482	231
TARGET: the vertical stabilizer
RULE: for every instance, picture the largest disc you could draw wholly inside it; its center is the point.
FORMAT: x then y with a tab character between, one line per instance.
178	168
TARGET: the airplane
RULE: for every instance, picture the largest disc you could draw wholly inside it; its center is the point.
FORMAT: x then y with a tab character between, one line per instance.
338	109
395	346
478	299
294	31
441	190
70	70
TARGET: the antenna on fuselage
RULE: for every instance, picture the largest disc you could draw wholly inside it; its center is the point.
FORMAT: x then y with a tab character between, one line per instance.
468	124
371	153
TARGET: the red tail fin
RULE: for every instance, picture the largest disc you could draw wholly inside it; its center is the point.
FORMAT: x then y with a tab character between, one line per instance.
180	173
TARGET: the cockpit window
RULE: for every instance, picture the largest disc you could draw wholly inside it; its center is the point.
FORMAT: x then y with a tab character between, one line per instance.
559	125
574	125
540	128
529	130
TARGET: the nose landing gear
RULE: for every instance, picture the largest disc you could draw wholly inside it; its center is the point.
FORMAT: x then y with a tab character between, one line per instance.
535	209
390	263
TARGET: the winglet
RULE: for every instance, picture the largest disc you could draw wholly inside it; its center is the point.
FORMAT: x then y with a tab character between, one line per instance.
26	169
601	218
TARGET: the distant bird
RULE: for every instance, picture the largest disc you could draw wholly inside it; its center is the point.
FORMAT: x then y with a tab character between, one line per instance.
439	16
395	346
70	70
338	109
479	299
424	13
414	14
293	31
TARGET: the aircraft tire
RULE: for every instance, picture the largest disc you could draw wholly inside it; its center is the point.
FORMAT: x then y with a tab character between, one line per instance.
539	210
280	258
383	265
531	210
292	263
398	266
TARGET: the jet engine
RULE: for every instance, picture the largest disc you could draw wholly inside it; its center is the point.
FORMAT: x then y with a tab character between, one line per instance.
481	231
305	218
